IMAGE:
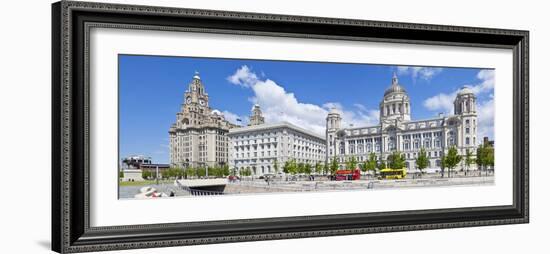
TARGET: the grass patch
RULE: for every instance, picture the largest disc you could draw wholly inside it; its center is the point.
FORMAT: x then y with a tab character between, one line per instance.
140	183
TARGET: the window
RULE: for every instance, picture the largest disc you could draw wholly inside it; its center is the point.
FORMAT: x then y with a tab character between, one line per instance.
467	141
427	143
451	141
467	130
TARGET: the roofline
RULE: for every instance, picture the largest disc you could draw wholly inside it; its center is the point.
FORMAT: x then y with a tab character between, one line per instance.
415	121
266	126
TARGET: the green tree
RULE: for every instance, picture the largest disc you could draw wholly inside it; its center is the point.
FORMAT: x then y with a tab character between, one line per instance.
246	172
452	159
363	166
382	165
351	163
290	167
371	163
442	164
286	167
318	168
485	157
301	168
396	160
468	160
479	158
422	160
216	171
146	174
201	172
333	166
120	174
307	168
226	171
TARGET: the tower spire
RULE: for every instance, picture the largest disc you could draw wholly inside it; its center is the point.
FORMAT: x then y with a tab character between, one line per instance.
394	80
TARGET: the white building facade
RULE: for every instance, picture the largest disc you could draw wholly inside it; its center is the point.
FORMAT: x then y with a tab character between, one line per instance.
397	132
258	147
198	137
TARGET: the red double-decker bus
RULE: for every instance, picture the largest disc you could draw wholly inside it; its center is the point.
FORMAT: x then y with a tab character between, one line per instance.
347	175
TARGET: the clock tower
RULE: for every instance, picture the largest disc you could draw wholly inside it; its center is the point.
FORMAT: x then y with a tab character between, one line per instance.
198	137
196	93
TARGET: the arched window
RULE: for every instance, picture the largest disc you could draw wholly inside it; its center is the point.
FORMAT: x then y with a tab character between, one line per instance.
451	141
467	141
391	144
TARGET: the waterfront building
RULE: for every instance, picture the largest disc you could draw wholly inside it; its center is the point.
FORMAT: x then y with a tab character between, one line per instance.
133	167
396	131
198	137
260	147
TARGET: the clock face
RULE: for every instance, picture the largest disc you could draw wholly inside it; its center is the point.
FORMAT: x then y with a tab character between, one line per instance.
201	102
188	100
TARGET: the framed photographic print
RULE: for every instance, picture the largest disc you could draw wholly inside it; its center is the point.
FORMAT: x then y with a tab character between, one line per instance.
181	126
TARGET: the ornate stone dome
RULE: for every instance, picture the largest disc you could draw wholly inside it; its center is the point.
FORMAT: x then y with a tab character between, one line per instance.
333	110
465	90
395	87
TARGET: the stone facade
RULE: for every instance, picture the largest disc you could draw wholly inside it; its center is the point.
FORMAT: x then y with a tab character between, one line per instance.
397	132
256	118
257	147
198	137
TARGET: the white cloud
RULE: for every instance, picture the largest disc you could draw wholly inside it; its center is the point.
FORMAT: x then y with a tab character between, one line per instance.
243	77
488	82
443	102
486	120
279	105
425	73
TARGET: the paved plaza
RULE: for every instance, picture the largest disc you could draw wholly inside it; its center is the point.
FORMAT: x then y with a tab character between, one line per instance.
320	183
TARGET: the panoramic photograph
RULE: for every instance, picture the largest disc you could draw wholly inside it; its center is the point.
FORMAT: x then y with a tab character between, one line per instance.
191	127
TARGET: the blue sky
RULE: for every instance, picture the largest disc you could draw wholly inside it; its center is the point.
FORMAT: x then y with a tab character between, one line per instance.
151	90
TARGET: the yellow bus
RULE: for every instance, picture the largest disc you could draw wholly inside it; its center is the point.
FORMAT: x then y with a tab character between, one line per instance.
390	173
